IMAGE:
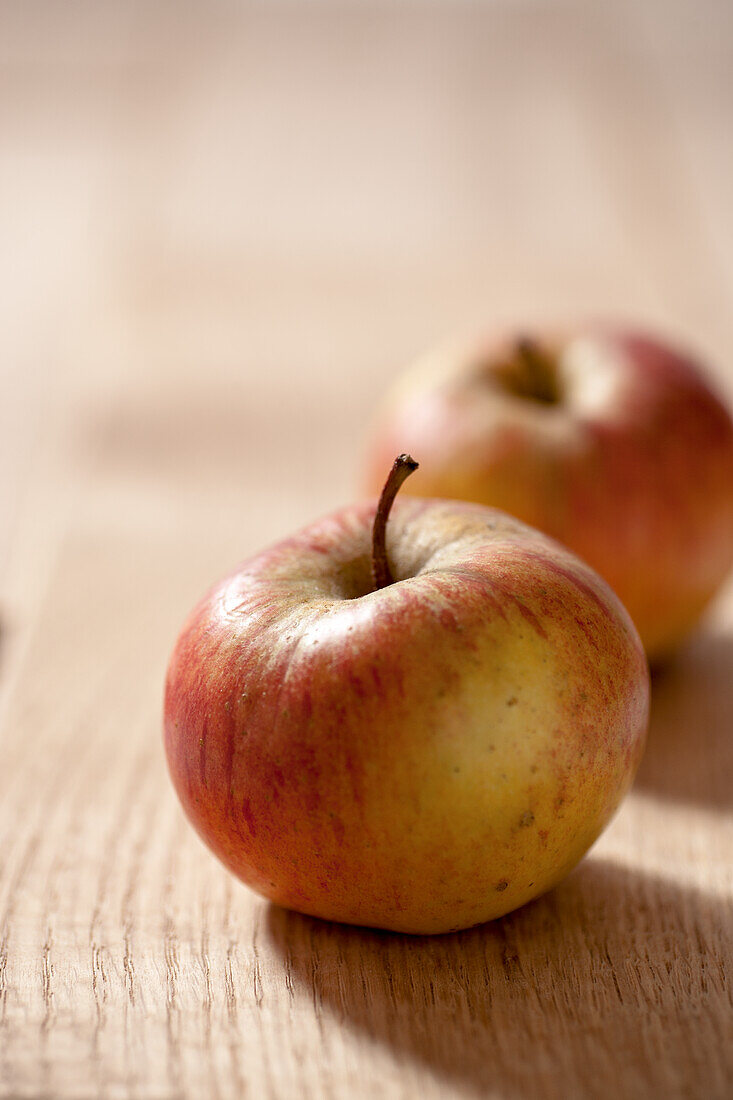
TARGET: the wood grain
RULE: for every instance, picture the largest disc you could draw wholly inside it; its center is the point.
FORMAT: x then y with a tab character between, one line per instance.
226	227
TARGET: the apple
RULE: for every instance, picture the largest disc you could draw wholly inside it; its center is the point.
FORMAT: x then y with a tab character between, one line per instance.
416	726
607	440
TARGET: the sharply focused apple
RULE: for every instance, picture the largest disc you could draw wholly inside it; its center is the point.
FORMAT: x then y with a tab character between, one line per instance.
418	735
606	440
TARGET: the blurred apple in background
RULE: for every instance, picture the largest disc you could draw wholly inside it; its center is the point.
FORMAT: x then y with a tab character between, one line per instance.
419	736
605	439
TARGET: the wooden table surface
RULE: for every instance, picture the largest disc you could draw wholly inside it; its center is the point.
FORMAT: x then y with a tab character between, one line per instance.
224	229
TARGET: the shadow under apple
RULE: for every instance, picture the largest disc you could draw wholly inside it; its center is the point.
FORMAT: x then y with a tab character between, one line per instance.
615	976
689	754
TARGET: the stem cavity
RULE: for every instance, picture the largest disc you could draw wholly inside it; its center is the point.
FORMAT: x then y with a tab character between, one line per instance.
534	374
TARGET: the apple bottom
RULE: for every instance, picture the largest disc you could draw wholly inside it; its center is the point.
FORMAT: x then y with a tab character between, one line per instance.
419	846
448	895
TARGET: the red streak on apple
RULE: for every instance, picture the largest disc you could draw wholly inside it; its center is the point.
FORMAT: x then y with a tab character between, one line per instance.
531	618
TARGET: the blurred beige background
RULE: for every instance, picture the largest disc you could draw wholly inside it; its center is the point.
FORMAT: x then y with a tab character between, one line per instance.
224	228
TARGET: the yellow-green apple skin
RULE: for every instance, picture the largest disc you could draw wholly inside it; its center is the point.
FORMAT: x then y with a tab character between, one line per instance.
420	758
627	460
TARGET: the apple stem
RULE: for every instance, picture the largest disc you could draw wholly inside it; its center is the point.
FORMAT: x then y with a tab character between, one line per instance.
538	379
402	467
